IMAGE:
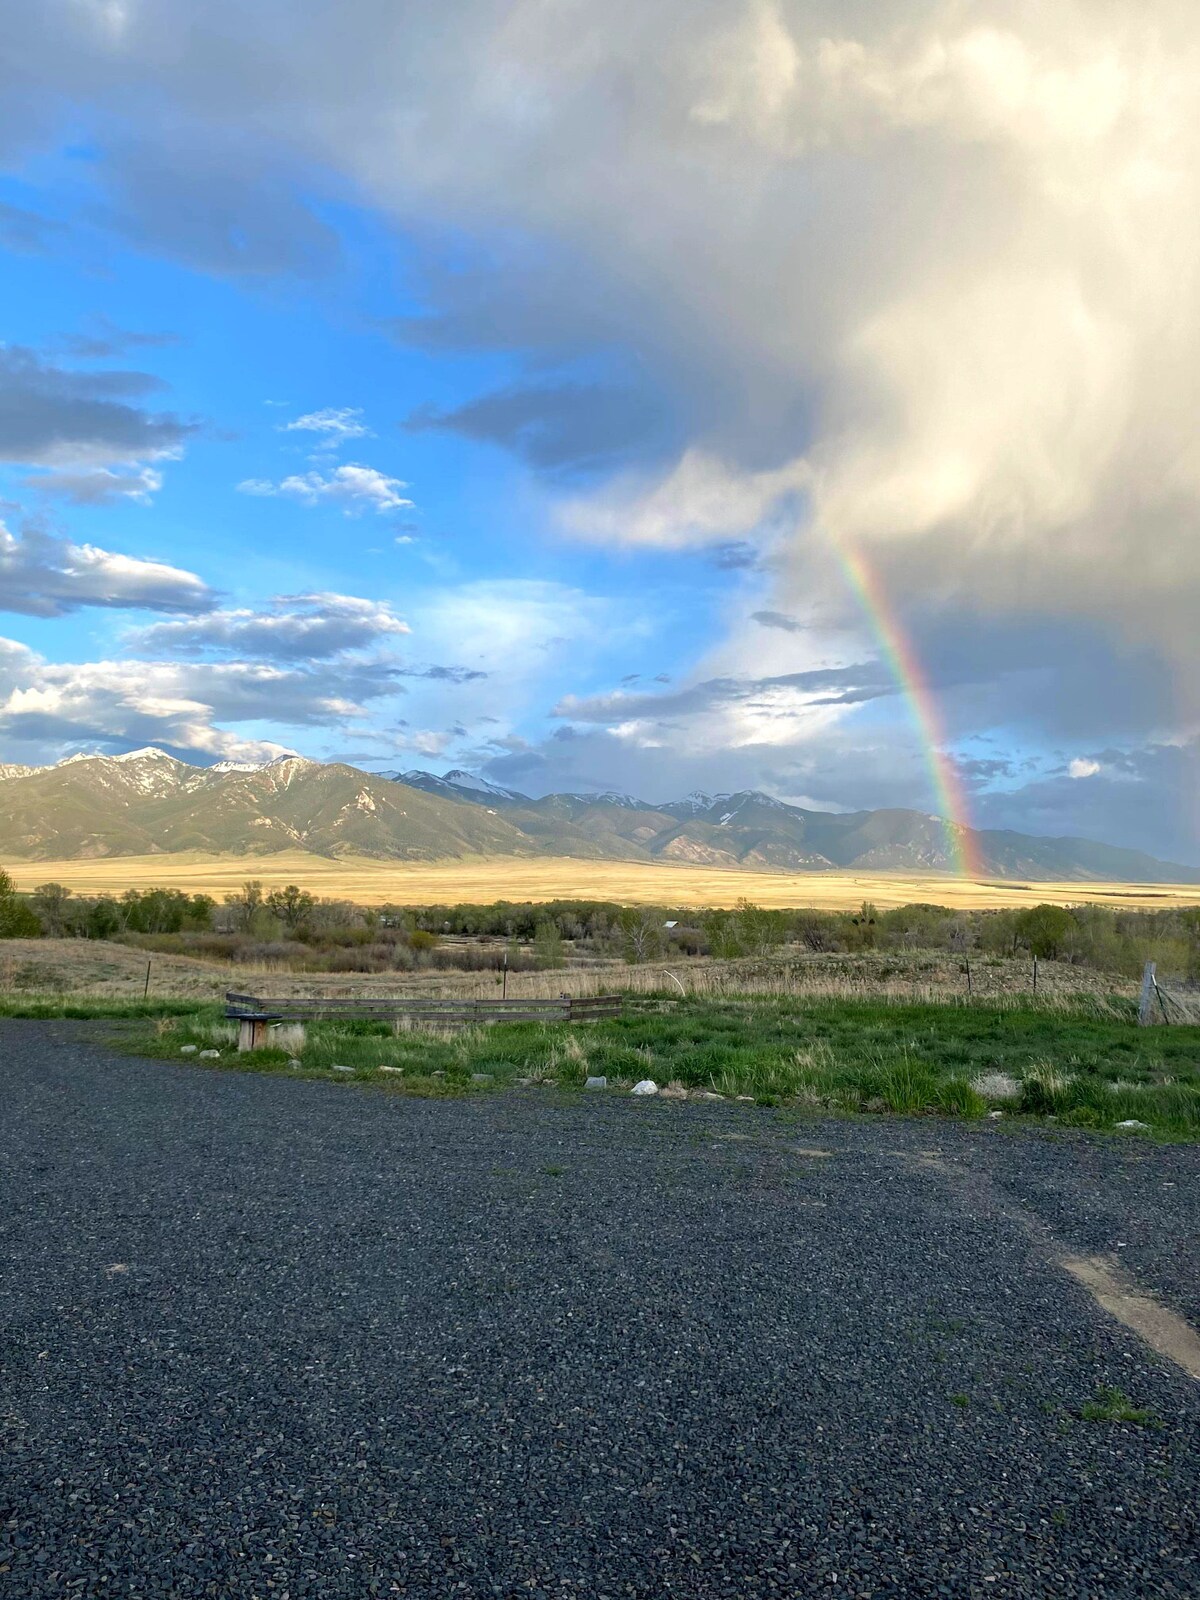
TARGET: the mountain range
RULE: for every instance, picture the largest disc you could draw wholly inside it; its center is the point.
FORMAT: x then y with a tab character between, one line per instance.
147	802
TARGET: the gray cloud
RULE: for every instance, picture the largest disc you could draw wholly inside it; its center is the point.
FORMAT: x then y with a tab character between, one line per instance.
905	276
559	427
777	619
98	486
54	417
107	341
26	233
221	203
447	674
1143	797
305	627
735	556
823	686
42	575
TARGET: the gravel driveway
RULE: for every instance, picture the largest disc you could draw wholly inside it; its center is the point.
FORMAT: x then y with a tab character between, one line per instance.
269	1338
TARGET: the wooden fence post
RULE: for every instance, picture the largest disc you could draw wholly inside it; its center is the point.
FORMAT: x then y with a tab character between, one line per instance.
1146	1002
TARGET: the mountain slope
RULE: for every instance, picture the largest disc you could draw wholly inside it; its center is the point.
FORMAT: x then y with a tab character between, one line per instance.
103	806
147	802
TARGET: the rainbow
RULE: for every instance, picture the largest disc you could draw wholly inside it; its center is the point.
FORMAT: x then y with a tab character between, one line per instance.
906	668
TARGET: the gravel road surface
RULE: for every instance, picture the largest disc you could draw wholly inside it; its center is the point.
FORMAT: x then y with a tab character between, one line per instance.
280	1339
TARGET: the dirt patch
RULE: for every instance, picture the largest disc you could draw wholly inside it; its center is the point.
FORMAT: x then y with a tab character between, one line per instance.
1163	1330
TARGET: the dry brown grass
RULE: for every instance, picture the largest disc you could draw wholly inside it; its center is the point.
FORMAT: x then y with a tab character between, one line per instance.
98	970
484	880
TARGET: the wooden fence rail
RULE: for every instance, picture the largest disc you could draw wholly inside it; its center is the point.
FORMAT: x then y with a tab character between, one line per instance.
255	1014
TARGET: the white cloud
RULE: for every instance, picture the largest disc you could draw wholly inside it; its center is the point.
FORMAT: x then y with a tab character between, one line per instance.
916	278
509	638
335	425
352	487
303	627
42	575
48	707
1083	767
702	500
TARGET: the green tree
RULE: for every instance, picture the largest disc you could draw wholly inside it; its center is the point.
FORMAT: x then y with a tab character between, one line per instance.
724	935
761	931
292	905
103	918
17	917
52	902
1042	929
548	945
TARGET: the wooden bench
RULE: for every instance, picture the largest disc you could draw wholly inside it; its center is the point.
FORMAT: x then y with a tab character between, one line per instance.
255	1015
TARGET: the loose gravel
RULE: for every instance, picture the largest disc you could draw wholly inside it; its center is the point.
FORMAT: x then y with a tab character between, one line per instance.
269	1337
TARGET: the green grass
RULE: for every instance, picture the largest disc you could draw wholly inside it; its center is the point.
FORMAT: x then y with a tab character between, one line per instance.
83	1008
1081	1068
1110	1405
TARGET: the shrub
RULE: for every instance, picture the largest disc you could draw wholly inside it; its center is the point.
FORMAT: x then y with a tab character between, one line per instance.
1045	1092
959	1098
18	920
907	1086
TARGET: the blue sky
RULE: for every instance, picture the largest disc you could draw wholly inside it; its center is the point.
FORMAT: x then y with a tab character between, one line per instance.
510	395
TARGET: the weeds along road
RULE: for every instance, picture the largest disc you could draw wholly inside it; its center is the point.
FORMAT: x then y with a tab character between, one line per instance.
294	1339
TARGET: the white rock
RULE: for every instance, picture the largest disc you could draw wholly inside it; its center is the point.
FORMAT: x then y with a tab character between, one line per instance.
646	1086
596	1083
710	1094
294	1062
189	1050
337	1067
1132	1123
391	1069
749	1098
995	1114
209	1055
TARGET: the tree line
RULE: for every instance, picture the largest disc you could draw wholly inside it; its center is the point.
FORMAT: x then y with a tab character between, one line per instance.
1112	939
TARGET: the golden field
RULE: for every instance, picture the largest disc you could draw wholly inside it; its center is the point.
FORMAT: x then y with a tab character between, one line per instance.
486	879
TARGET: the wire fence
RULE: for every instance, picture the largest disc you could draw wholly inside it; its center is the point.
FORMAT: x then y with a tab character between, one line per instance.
1158	1006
